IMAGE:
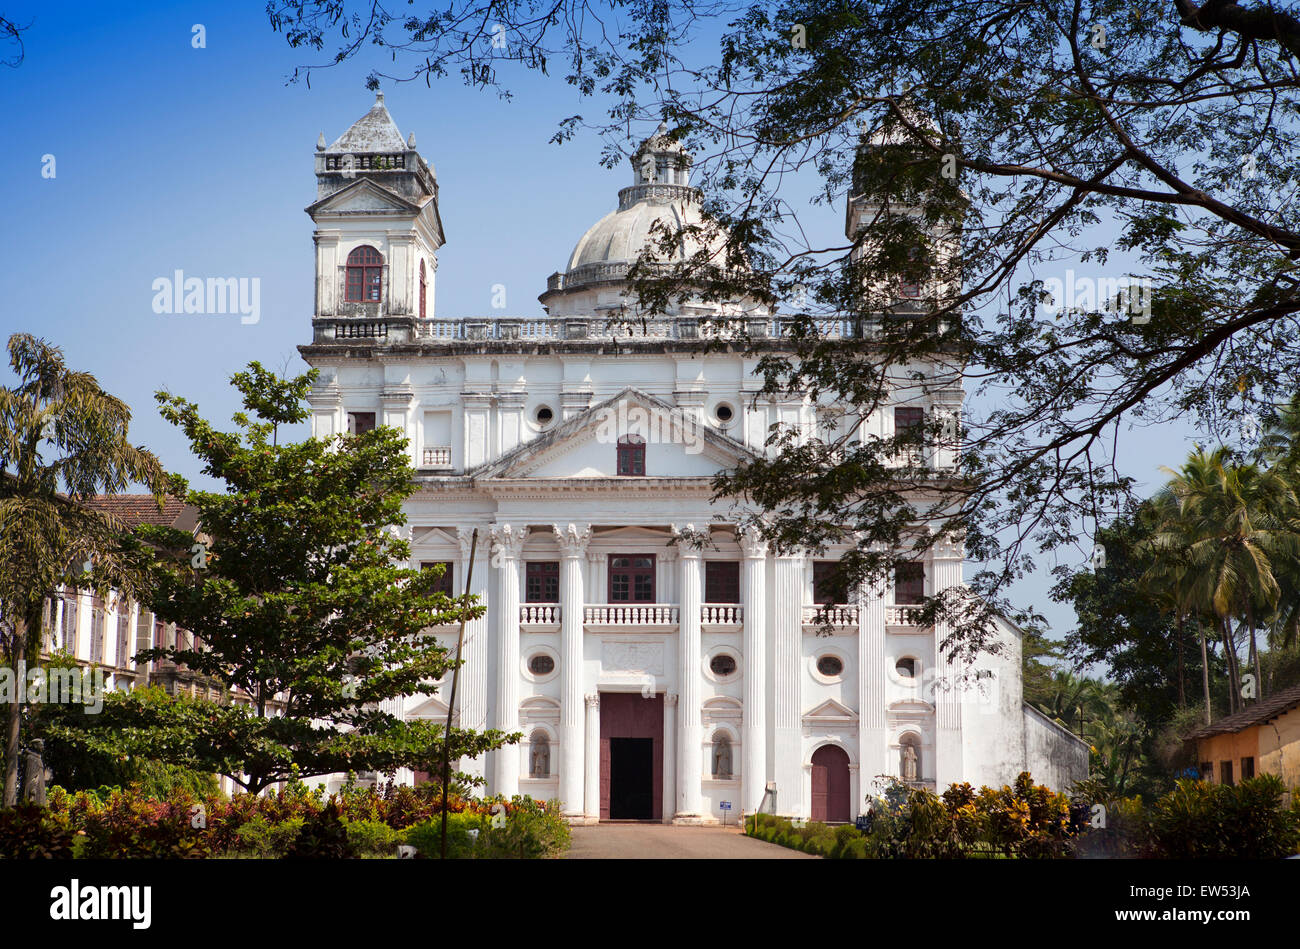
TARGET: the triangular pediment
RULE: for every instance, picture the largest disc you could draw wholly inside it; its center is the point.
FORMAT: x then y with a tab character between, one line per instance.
585	446
430	708
830	712
363	196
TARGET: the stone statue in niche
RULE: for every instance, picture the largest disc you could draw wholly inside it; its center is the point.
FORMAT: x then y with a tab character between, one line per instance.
909	762
722	758
541	759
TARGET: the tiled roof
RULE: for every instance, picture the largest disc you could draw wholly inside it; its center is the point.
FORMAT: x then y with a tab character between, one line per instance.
137	509
1263	710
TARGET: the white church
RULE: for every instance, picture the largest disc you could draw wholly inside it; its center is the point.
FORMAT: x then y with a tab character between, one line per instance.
653	677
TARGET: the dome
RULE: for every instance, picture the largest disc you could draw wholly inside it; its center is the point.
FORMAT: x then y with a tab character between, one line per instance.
620	236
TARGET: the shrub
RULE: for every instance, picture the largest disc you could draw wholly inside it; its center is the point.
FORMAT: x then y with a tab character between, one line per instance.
372	838
259	837
27	832
323	837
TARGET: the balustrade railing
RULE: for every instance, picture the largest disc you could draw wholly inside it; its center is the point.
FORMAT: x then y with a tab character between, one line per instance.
902	616
722	614
539	614
437	456
837	615
630	614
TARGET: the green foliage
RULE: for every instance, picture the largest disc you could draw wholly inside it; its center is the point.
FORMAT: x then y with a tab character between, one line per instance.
299	607
323	836
28	832
293	822
372	838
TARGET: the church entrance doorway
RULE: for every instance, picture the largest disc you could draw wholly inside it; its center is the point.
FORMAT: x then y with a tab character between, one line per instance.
631	756
631	771
830	784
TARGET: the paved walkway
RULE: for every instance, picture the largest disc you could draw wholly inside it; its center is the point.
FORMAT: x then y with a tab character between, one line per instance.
666	842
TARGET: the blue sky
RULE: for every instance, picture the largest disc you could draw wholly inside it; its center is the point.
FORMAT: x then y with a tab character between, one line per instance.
169	157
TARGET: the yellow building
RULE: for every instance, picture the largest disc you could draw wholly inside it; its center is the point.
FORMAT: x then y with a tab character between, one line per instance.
1262	739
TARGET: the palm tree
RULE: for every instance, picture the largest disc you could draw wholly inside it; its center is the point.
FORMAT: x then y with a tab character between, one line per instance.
63	439
1235	521
1170	580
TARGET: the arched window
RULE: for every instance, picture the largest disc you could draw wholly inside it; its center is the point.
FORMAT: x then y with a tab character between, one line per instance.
539	758
631	455
909	758
423	285
721	756
365	275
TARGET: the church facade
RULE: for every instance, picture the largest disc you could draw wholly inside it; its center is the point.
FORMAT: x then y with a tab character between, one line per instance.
661	662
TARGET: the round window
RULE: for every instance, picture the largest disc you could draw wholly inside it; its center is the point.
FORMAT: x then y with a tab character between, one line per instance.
545	416
541	664
724	412
830	666
906	668
722	664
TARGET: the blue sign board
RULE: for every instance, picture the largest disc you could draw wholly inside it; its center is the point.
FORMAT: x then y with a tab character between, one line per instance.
725	805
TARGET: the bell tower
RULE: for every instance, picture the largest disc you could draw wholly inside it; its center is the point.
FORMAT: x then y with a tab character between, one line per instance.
377	233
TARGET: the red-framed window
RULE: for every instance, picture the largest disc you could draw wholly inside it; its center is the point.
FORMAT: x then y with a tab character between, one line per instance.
365	275
423	286
542	581
631	455
444	582
828	588
632	578
909	583
721	581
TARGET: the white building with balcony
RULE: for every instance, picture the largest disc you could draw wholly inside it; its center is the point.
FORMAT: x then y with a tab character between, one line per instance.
652	678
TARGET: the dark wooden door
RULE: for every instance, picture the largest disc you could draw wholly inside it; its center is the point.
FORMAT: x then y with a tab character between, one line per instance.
631	715
830	784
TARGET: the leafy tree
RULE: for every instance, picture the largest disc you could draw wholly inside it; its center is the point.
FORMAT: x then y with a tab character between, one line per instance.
989	146
299	608
63	440
1123	627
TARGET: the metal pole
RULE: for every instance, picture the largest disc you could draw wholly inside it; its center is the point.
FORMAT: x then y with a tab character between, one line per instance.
455	676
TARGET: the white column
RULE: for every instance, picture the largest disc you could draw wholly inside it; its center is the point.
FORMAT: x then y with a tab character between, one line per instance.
592	756
690	728
873	735
945	566
572	540
670	754
788	672
473	684
507	545
753	737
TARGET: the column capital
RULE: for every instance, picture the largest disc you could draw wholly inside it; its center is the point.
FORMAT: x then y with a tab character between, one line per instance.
689	537
477	400
464	535
511	399
670	699
593	700
948	547
752	544
572	538
507	542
